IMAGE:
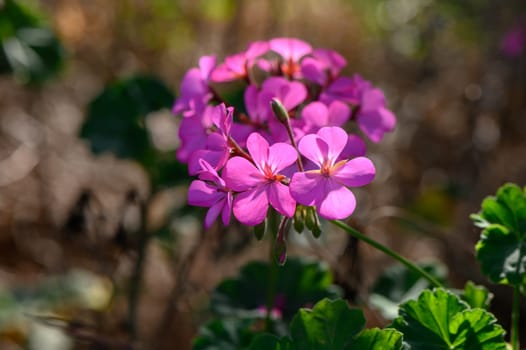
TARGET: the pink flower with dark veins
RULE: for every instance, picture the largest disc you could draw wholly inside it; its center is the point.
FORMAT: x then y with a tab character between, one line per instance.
326	187
260	183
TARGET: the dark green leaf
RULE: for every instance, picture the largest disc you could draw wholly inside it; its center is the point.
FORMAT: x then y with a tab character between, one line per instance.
476	296
226	334
440	320
116	123
329	325
332	324
28	49
398	284
270	342
298	283
501	250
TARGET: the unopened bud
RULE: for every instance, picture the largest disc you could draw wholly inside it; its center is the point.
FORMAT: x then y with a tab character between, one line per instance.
313	222
299	219
279	111
259	230
280	252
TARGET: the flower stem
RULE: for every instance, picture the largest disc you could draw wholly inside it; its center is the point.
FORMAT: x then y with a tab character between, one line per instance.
387	251
515	318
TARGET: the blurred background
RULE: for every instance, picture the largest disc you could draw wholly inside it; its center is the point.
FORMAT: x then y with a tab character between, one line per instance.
98	249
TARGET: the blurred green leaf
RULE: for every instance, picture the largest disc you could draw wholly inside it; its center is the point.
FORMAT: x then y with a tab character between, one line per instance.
501	249
299	283
29	50
270	342
476	296
398	284
440	320
116	123
226	334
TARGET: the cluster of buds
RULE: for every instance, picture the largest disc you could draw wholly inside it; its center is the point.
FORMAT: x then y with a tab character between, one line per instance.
267	127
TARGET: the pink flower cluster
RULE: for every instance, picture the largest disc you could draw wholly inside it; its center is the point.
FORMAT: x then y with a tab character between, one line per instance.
246	156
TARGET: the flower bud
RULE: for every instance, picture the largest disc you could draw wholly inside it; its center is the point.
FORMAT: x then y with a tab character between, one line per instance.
280	252
279	111
312	221
299	218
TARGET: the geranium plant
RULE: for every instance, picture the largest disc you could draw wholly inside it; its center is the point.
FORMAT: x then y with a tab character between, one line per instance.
278	130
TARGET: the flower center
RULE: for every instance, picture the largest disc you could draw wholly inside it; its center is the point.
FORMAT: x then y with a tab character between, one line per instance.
269	174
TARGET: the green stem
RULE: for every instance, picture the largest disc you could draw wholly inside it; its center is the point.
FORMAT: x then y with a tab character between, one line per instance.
515	318
387	251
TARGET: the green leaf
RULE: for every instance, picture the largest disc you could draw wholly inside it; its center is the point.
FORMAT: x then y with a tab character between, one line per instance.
440	320
332	324
378	339
270	342
28	49
329	325
298	283
476	296
501	249
226	334
398	284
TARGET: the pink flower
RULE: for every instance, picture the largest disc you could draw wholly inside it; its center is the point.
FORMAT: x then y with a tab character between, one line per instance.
323	66
292	51
195	92
317	114
193	133
373	118
326	187
238	66
257	102
217	146
259	183
513	44
210	192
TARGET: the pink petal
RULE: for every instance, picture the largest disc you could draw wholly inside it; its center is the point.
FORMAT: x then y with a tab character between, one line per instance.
315	113
258	148
336	138
307	187
216	158
339	201
374	123
339	113
251	207
290	48
206	65
295	94
213	213
251	100
372	99
355	148
227	209
280	156
356	172
331	59
313	70
256	49
239	174
202	194
280	199
314	148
